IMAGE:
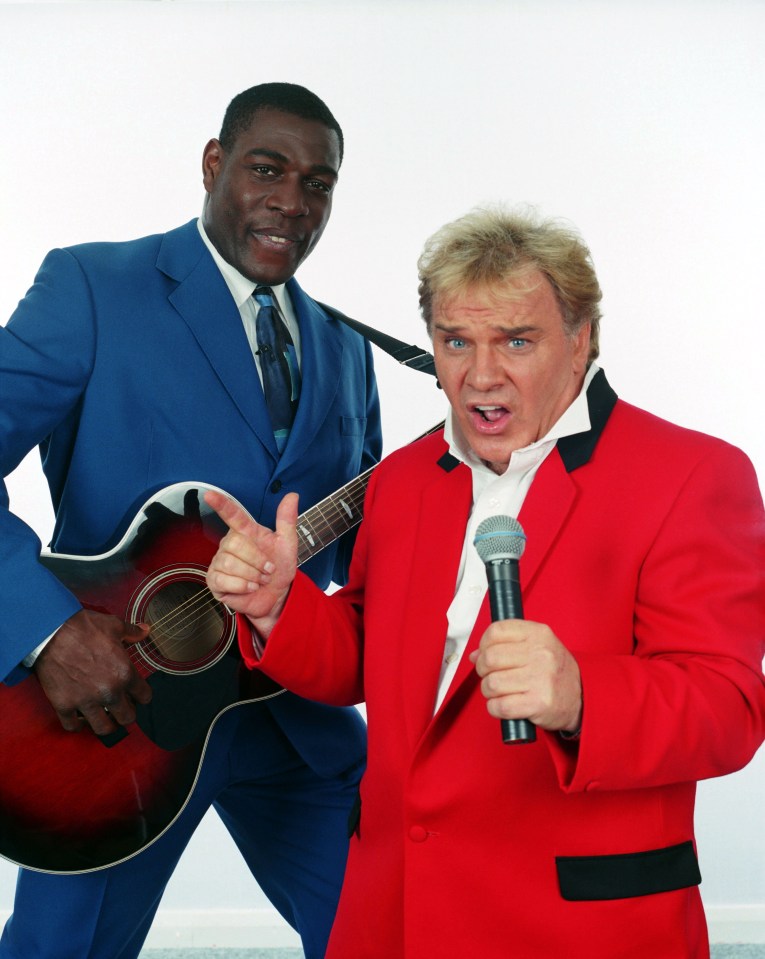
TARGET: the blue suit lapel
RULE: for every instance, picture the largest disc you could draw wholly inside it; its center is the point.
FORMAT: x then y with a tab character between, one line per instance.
205	304
321	362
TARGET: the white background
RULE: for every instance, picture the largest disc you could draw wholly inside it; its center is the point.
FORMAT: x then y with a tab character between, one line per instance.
641	122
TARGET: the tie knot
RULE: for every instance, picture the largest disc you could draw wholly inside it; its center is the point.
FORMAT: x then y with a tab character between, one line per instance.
264	291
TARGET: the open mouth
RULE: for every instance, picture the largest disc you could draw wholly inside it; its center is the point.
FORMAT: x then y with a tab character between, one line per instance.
491	413
274	241
489	418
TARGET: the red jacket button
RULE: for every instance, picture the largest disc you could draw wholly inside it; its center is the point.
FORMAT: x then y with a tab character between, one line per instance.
418	834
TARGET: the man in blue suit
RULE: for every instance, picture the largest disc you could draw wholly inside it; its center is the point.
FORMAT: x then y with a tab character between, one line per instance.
137	365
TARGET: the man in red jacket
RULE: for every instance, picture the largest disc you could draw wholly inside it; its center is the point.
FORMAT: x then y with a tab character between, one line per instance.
639	660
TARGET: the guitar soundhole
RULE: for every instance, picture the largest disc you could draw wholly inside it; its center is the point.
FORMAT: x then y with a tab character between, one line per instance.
190	630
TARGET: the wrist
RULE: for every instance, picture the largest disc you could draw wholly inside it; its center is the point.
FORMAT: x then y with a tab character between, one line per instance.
573	730
261	627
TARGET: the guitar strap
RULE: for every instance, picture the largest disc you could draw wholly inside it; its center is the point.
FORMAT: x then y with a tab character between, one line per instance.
408	355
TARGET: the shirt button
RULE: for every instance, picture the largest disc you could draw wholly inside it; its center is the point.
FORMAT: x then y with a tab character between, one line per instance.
418	834
276	486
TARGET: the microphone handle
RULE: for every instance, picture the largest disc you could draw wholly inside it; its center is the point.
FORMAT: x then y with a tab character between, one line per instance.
505	603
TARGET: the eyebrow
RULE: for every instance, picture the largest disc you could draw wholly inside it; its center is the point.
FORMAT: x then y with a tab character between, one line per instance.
507	330
281	158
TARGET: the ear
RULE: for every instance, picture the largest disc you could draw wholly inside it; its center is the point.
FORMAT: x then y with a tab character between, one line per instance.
581	348
212	163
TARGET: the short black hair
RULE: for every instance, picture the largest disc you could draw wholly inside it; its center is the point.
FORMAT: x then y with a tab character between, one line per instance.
286	97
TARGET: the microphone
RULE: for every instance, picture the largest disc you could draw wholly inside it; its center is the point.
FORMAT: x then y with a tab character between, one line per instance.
500	541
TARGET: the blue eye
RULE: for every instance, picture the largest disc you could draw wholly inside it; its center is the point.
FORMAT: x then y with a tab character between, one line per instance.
517	342
455	342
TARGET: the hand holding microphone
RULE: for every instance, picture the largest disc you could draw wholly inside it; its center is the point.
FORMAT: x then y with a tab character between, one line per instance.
547	671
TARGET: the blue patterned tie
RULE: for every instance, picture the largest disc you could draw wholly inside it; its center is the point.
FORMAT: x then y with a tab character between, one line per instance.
278	364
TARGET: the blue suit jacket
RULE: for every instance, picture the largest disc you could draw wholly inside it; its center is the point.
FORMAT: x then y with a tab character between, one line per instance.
127	363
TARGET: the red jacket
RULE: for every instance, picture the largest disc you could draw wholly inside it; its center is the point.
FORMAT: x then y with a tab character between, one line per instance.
645	557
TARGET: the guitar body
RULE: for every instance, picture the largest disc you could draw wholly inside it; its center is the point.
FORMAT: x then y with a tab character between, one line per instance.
74	802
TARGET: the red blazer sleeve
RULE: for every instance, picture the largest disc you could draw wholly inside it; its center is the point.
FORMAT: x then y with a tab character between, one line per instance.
317	648
689	703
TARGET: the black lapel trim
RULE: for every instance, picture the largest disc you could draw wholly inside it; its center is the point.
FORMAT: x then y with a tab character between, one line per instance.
576	450
448	462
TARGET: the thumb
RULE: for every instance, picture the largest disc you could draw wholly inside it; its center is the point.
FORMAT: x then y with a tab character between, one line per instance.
286	517
135	632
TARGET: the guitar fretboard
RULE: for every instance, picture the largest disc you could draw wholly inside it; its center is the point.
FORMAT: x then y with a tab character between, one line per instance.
339	512
330	518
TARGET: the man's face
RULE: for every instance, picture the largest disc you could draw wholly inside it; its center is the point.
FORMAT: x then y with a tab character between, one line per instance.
507	365
270	196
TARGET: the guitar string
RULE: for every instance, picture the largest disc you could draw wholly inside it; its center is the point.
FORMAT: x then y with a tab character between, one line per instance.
165	624
332	507
189	613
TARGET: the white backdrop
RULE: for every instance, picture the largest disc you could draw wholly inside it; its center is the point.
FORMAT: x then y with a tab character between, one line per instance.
639	121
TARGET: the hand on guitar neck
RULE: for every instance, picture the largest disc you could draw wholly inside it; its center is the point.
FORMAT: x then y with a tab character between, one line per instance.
87	675
253	570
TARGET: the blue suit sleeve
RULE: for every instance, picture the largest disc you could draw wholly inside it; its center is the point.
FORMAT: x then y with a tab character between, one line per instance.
46	354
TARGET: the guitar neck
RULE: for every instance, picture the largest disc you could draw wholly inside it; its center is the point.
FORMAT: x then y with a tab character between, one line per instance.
339	512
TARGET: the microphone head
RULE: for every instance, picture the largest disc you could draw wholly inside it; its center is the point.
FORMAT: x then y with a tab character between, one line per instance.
499	537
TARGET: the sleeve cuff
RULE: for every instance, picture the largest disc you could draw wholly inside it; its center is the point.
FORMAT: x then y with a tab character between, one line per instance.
30	659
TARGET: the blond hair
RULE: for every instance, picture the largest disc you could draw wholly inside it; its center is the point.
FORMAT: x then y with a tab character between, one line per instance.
491	246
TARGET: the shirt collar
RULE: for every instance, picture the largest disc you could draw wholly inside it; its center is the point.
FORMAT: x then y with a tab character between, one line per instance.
241	287
574	419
